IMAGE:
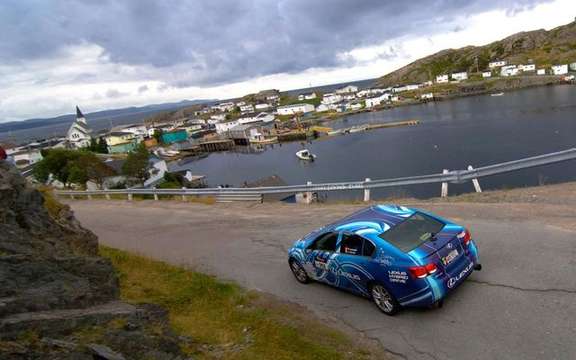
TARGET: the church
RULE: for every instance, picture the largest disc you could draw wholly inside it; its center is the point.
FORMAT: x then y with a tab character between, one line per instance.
79	133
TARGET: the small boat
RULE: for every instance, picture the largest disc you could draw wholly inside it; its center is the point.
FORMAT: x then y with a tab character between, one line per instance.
336	132
270	140
305	155
497	94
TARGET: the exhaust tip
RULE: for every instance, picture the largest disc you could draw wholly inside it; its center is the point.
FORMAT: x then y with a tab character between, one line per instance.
478	267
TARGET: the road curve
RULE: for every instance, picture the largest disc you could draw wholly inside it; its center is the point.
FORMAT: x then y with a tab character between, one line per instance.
521	306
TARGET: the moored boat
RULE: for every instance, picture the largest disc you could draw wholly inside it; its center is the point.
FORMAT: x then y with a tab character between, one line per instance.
305	155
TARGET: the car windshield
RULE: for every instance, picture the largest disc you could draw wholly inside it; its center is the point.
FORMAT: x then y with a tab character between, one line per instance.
412	232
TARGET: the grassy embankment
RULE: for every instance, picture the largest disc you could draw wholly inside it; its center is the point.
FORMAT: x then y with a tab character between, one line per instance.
226	321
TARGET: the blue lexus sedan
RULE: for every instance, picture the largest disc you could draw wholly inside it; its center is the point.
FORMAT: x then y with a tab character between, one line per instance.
395	255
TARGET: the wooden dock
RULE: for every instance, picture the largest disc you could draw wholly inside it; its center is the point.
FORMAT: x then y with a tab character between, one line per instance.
217	145
366	127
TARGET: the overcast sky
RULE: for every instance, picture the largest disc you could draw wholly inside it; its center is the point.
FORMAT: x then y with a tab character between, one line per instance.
103	54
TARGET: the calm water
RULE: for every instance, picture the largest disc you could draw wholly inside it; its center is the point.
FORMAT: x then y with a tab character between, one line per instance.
475	131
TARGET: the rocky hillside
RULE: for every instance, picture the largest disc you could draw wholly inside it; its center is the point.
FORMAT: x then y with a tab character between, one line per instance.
540	46
58	298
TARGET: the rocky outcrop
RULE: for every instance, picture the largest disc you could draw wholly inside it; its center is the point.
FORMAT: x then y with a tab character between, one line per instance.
58	298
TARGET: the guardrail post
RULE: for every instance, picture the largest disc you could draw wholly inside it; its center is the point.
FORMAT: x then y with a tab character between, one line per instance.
107	195
129	196
89	196
367	191
155	193
444	192
309	193
183	195
72	196
475	181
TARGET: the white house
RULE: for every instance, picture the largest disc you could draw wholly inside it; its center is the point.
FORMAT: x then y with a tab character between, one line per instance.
427	96
309	96
217	117
295	109
323	108
487	74
25	157
247	108
347	89
375	101
508	70
355	105
79	134
272	98
459	76
261	107
495	64
224	107
225	126
255	118
139	130
371	102
541	72
331	99
527	67
560	69
442	79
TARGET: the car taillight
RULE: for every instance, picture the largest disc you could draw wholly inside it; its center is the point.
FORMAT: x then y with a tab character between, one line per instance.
421	272
465	237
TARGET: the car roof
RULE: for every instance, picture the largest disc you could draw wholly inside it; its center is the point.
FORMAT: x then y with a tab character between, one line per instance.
373	220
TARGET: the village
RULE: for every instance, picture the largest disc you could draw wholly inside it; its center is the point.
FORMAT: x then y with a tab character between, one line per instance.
247	124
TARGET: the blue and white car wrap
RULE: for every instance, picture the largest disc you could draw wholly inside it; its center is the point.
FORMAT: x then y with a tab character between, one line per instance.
420	276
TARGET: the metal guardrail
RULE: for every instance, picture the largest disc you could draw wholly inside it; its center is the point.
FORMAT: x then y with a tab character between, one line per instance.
455	176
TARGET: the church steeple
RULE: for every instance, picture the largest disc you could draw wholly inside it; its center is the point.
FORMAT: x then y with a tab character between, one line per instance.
79	115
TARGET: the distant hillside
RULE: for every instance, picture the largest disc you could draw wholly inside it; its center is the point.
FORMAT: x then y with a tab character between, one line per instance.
542	47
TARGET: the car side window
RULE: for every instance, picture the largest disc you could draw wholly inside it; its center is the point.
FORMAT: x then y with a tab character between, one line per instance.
325	242
351	244
356	245
368	248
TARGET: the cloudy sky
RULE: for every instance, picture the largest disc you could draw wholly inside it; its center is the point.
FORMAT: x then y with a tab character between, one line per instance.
103	54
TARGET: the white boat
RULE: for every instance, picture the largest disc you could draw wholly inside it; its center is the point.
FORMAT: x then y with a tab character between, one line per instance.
305	155
270	140
497	94
355	129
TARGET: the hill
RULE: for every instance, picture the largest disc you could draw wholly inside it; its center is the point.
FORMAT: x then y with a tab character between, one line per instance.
542	47
20	131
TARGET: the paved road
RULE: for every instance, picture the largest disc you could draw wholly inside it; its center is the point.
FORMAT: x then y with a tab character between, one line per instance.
521	306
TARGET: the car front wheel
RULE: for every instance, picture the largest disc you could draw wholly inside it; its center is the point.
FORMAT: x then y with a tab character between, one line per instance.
384	300
299	272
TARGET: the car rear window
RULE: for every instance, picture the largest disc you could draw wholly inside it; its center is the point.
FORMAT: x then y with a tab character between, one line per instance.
412	232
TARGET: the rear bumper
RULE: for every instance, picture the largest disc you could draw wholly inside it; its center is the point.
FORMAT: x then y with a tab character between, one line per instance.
436	287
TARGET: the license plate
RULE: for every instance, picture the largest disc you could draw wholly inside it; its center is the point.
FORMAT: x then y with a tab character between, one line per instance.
451	256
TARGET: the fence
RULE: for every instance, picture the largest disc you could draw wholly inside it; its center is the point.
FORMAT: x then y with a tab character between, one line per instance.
255	194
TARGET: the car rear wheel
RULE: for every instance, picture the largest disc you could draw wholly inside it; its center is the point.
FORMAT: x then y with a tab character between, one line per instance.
384	300
299	272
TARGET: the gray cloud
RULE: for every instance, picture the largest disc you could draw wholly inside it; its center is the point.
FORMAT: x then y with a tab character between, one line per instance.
212	42
142	89
115	93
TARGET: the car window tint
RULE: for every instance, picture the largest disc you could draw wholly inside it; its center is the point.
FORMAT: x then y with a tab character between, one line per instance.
326	242
412	232
351	244
368	248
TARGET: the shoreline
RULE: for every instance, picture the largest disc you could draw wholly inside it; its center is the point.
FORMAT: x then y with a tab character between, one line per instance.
454	91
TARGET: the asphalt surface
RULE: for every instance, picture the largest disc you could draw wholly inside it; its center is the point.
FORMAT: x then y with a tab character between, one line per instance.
522	305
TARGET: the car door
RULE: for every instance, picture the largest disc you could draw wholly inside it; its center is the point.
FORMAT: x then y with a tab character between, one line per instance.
355	262
319	257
